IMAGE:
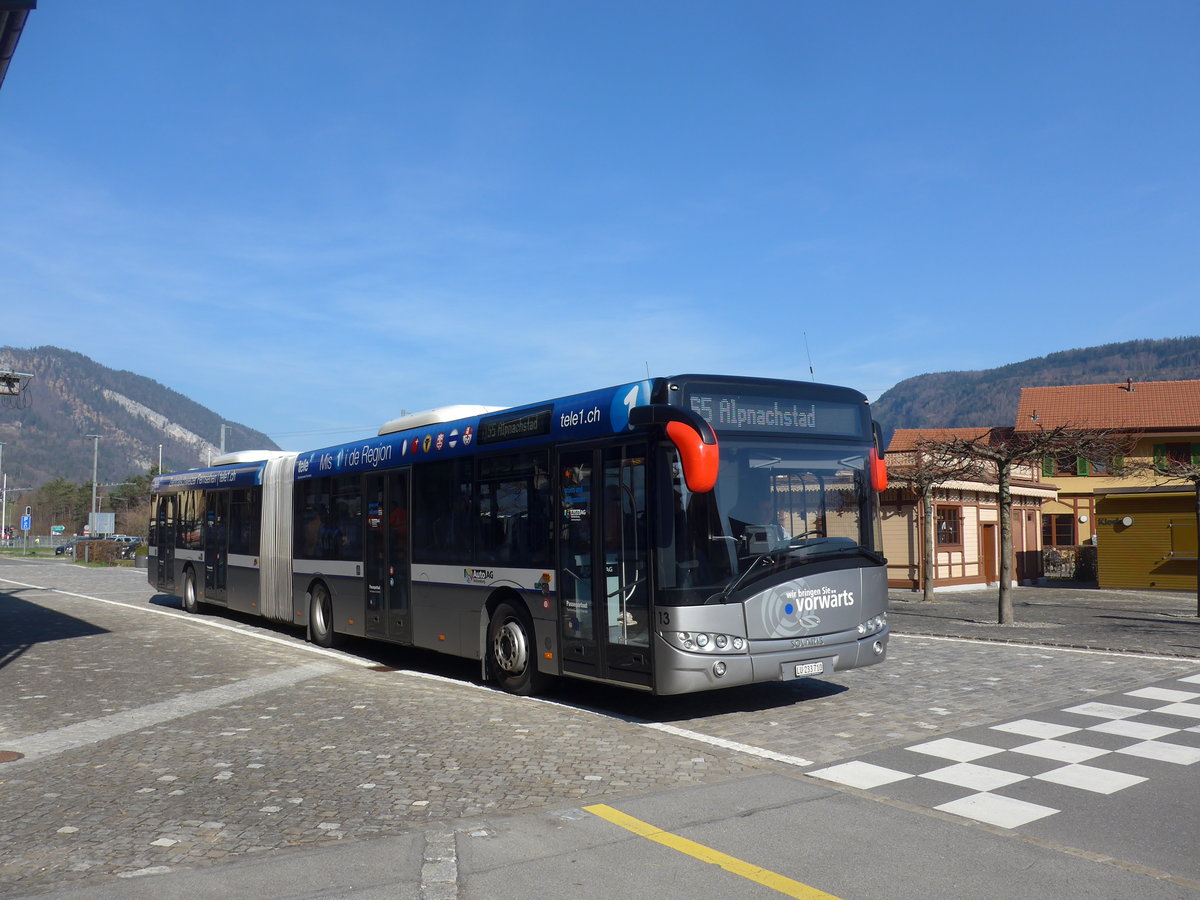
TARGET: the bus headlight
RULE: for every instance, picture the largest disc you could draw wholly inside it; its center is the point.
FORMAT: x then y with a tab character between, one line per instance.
873	624
719	669
705	642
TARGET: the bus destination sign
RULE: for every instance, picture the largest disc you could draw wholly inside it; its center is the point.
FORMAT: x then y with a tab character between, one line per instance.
527	424
777	415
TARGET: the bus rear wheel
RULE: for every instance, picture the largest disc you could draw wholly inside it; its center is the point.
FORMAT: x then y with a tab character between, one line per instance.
320	616
191	603
512	651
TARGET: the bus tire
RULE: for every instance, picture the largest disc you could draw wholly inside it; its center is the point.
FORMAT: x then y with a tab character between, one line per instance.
320	616
512	651
191	602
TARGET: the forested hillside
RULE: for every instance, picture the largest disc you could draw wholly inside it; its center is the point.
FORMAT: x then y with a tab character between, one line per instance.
989	396
71	396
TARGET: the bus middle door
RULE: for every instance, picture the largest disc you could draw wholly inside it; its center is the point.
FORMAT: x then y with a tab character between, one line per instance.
385	557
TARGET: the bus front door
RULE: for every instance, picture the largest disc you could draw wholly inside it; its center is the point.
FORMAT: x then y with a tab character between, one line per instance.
604	594
164	535
385	557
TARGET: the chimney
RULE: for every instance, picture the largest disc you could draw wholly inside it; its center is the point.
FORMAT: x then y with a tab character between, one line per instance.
1129	385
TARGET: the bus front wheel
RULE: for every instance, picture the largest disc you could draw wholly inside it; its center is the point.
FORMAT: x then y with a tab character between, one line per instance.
320	616
191	602
512	651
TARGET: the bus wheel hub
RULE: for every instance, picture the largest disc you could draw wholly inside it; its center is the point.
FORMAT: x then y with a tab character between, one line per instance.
512	652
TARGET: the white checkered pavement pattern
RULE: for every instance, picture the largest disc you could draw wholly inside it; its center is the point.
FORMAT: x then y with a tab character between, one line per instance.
1100	747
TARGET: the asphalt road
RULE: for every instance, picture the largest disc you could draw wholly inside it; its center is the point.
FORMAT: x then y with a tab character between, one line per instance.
167	755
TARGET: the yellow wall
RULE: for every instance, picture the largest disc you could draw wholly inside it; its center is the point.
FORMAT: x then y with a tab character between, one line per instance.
1073	489
1140	555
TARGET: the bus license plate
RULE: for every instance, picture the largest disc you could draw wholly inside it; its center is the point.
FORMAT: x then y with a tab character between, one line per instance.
812	668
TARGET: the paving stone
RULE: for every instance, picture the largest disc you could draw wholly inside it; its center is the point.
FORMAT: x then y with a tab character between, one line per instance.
352	754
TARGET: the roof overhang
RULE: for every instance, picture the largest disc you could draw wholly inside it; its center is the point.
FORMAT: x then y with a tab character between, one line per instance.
1162	490
13	14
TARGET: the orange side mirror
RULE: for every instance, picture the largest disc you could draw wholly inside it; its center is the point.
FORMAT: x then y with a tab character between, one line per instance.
701	461
879	475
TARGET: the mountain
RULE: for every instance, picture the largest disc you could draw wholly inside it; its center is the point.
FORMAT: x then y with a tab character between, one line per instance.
44	430
989	396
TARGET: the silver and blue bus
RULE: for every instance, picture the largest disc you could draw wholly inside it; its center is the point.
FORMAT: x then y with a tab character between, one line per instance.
669	535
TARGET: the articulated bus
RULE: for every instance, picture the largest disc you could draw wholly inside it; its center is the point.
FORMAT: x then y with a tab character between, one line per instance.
670	535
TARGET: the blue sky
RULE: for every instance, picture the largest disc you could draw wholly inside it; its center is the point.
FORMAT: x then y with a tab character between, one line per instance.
311	216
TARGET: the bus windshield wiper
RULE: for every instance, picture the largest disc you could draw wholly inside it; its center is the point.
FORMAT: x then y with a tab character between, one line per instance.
745	576
784	555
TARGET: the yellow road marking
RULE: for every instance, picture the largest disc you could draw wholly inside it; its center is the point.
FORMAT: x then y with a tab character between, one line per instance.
780	883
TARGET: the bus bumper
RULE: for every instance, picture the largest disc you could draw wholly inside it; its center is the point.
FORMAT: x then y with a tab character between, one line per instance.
679	672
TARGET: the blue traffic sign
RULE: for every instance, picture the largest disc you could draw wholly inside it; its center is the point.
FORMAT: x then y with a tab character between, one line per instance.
26	522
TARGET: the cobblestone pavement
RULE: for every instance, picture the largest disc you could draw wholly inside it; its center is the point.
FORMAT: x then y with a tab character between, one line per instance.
155	741
1063	615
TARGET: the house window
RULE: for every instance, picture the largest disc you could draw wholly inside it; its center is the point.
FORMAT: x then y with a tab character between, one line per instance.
949	525
1058	530
1065	464
1176	454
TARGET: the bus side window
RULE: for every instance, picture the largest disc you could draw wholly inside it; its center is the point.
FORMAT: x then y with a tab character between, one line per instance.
441	526
513	516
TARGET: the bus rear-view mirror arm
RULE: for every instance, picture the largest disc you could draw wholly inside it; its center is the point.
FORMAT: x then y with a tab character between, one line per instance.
691	435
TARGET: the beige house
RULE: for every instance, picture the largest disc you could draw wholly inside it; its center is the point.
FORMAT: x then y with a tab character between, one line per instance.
966	521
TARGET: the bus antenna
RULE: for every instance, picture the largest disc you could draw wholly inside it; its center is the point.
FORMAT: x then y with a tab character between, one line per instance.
811	374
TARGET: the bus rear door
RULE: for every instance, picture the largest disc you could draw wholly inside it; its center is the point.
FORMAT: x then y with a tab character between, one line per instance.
216	546
164	536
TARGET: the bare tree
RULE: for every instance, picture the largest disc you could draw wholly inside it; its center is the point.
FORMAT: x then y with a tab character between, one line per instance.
920	471
1003	450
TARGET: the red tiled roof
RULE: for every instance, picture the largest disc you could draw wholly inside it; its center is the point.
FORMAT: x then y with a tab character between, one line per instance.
1149	405
907	439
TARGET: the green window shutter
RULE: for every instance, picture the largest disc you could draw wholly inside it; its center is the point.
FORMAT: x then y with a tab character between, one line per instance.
1118	465
1160	456
1047	466
1081	466
1196	454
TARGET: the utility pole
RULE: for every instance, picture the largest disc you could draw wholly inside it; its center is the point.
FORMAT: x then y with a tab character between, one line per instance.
95	456
222	438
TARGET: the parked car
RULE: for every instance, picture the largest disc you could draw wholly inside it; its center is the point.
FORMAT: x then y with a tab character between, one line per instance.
68	549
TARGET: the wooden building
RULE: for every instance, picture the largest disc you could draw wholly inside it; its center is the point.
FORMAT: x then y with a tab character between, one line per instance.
966	521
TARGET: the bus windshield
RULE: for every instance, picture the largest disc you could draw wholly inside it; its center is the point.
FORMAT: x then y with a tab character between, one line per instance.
777	505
